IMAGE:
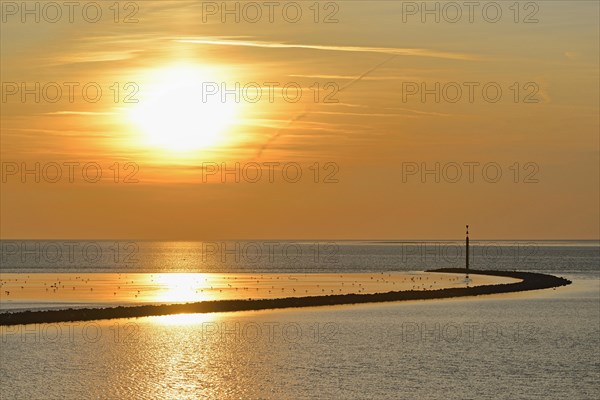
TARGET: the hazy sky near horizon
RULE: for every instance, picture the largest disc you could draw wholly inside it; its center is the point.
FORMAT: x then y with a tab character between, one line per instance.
361	133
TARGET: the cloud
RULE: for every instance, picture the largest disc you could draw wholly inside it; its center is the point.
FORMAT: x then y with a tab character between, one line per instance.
345	105
352	77
78	113
306	112
354	49
430	113
351	114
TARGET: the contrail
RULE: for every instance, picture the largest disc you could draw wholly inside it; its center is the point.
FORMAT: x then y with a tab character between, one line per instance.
280	132
307	112
364	74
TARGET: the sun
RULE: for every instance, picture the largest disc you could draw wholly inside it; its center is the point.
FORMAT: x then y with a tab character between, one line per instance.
178	109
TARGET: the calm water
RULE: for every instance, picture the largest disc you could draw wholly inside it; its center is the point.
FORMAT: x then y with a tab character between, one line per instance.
537	345
288	256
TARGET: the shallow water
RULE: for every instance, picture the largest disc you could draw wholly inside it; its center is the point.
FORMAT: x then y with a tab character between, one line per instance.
541	344
544	345
39	291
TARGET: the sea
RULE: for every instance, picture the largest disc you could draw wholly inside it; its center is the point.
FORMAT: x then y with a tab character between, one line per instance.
531	345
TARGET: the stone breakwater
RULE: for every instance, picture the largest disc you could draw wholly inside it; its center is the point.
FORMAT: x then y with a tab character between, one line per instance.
529	281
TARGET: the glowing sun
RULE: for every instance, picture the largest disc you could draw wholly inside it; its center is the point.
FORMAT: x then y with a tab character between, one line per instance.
177	112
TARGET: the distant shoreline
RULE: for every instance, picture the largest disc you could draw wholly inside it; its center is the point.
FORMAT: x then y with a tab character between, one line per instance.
530	281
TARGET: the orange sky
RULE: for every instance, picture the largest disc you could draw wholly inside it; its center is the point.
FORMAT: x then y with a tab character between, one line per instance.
169	148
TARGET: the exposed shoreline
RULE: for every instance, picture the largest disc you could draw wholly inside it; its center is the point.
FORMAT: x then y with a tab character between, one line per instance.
530	281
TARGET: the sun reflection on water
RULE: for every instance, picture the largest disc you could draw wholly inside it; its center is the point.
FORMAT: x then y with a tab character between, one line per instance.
184	319
180	287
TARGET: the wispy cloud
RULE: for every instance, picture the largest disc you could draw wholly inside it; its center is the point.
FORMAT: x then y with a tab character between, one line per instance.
355	49
78	113
352	77
57	132
429	113
352	114
350	105
306	112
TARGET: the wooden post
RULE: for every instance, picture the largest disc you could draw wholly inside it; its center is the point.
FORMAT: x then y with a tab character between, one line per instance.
467	252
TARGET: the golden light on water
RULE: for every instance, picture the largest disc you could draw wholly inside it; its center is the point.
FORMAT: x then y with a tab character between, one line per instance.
184	319
180	287
179	111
